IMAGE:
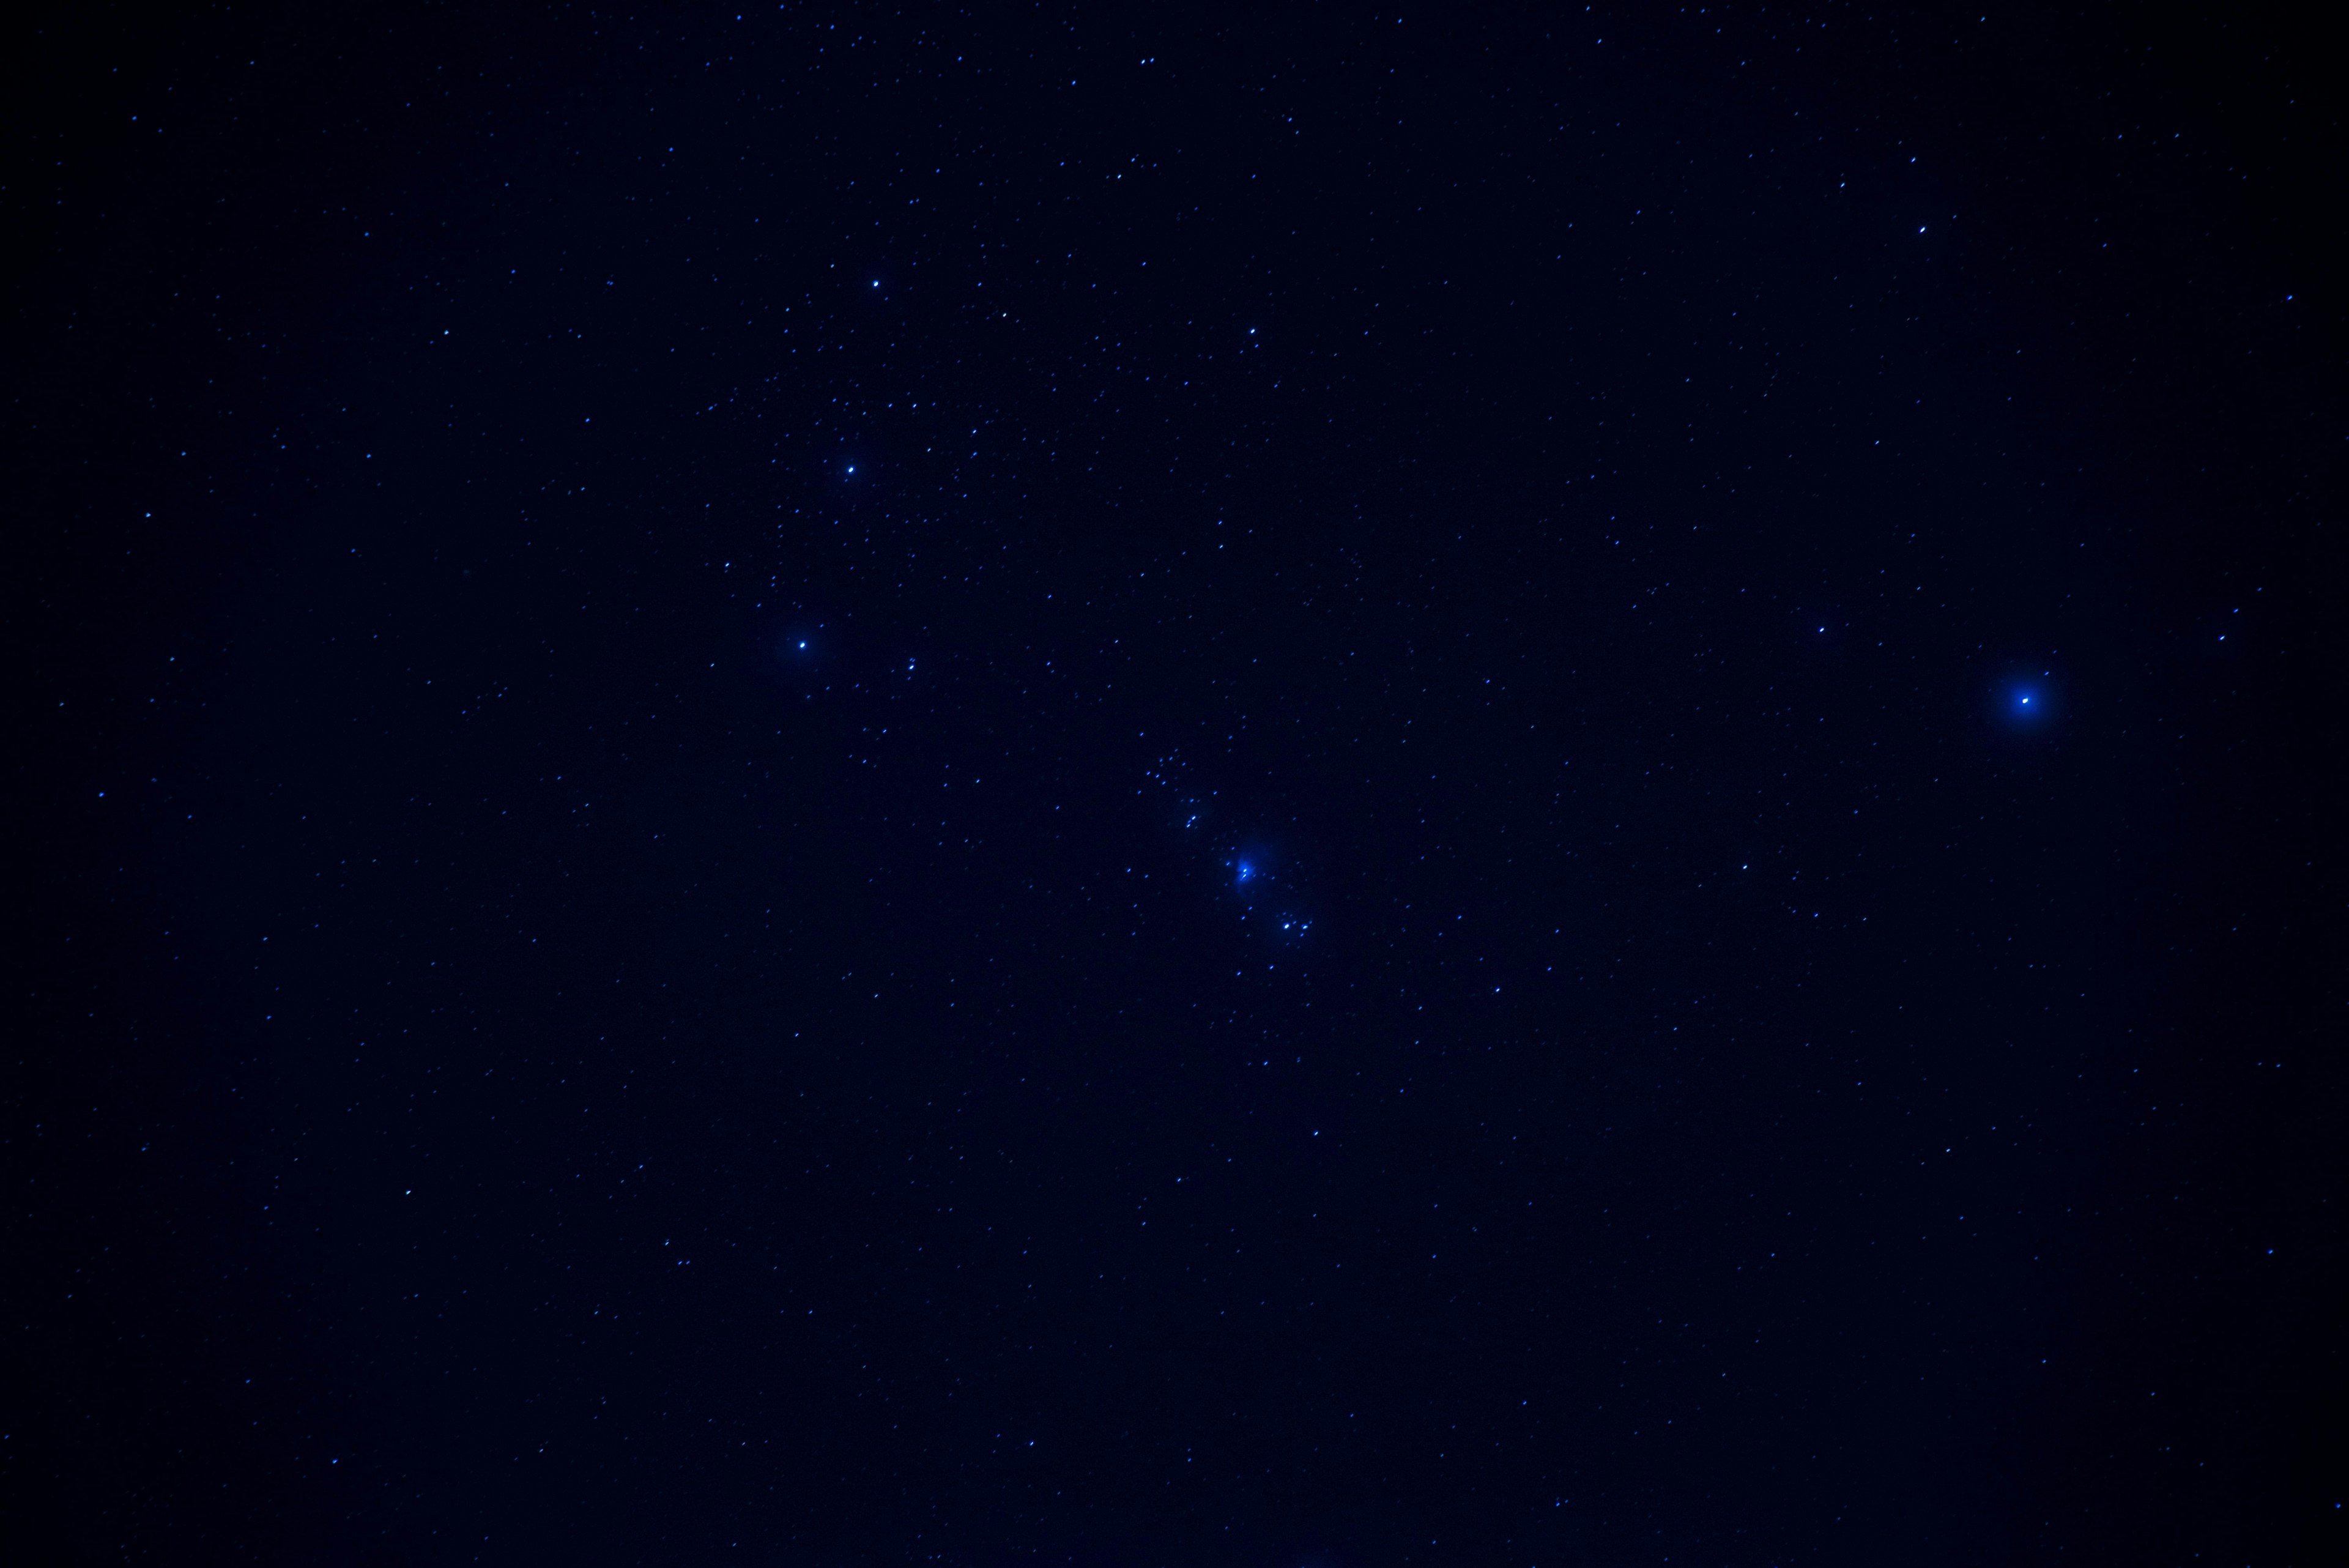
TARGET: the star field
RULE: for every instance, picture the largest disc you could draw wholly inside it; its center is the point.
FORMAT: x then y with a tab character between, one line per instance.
838	785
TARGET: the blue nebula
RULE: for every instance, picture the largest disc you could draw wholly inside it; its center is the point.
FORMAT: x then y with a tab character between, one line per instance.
1261	881
1253	870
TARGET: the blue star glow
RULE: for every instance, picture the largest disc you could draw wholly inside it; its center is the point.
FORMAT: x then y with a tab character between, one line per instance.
2026	703
1252	868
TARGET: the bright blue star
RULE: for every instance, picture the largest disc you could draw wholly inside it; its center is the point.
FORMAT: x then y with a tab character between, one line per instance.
2030	702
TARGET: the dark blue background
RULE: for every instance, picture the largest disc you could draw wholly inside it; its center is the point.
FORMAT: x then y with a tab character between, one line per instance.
519	1060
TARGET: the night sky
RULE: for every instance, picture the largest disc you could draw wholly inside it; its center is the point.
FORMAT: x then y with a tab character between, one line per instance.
1084	786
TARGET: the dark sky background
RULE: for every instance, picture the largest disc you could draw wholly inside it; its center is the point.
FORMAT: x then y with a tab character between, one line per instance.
1074	785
